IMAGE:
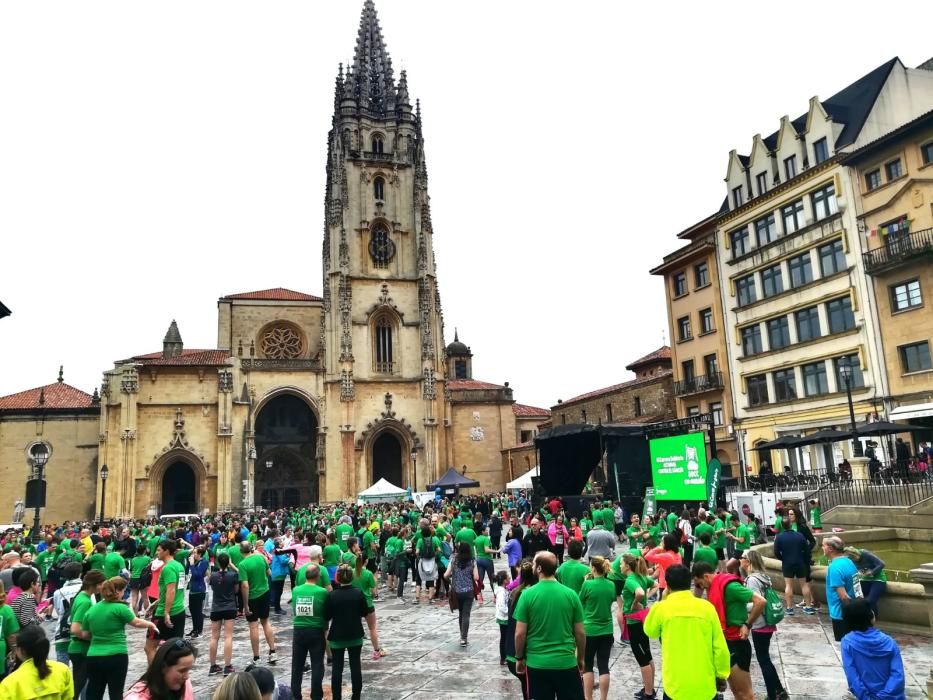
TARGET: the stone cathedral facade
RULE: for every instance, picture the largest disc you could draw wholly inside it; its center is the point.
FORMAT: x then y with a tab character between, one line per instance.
305	398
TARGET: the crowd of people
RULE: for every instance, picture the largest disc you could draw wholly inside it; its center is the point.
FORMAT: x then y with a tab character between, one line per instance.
564	591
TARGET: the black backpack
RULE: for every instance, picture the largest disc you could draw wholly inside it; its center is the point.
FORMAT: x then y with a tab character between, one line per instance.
427	548
145	576
64	622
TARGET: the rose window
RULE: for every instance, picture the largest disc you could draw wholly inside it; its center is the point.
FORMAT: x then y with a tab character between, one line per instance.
281	343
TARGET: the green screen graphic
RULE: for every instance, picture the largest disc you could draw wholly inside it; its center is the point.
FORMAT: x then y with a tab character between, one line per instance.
678	467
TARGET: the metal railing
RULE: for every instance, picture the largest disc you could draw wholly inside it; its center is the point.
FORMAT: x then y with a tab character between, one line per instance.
868	492
698	384
899	248
881	474
384	367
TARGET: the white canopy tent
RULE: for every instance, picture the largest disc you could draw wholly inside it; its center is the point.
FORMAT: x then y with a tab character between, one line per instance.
382	490
524	481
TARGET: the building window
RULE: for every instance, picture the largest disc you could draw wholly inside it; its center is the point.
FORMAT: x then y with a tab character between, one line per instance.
814	379
688	374
772	281
840	315
873	180
525	436
377	144
856	378
824	202
737	197
583	416
680	284
751	340
384	345
683	328
563	419
808	324
706	321
915	357
820	150
801	271
906	295
745	290
894	229
832	258
716	410
608	412
701	275
379	188
757	388
892	169
693	410
762	180
790	168
637	406
792	216
778	333
460	369
381	247
765	230
711	365
739	240
926	153
785	385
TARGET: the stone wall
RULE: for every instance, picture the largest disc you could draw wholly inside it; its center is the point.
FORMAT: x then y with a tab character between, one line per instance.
656	398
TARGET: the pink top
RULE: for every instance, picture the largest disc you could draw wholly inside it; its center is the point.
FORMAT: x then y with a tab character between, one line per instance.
153	590
14	593
553	531
304	555
663	559
138	691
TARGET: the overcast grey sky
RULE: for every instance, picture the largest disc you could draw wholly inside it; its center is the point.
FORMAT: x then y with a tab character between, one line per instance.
156	156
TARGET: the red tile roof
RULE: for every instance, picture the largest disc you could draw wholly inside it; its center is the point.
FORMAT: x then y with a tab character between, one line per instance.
275	294
187	358
463	384
58	396
662	353
523	411
615	387
519	446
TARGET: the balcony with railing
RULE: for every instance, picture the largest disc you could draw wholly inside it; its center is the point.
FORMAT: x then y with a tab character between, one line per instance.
698	384
899	249
385	367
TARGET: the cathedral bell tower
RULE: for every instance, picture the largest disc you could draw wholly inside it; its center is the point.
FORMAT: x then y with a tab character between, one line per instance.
382	333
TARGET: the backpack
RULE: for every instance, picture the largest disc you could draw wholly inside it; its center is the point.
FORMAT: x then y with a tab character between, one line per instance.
427	548
64	622
145	576
774	606
446	550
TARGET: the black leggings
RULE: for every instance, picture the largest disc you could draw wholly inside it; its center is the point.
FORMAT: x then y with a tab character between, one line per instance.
278	586
106	673
503	637
762	642
78	671
356	672
598	647
196	608
641	649
522	679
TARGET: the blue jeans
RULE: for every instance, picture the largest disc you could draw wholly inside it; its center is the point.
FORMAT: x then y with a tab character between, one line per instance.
873	590
486	568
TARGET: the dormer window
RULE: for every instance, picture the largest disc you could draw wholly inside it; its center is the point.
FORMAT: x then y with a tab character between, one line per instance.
379	188
737	197
377	144
820	150
790	168
762	180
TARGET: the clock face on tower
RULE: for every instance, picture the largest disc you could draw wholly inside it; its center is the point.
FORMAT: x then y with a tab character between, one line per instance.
381	247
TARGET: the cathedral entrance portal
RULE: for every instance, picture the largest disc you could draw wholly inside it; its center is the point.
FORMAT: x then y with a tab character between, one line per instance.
387	459
286	439
179	489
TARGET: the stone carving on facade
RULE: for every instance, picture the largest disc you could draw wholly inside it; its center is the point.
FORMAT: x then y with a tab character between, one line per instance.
224	381
105	386
129	384
347	391
344	296
178	441
477	434
429	390
446	391
388	413
127	435
281	341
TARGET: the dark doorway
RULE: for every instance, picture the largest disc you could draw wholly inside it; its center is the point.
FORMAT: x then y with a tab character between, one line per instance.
286	441
387	459
179	491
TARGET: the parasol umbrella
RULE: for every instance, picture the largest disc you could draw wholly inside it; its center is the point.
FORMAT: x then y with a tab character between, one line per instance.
822	437
885	428
783	442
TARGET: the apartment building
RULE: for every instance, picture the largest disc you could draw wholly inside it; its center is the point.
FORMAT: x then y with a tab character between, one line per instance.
698	336
794	293
893	178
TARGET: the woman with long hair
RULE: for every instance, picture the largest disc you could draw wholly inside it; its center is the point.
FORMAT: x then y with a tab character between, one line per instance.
108	656
637	589
364	579
238	686
346	607
597	595
80	636
37	677
463	574
526	578
223	611
753	567
664	556
167	675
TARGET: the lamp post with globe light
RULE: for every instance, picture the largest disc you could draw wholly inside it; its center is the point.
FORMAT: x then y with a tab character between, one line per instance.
40	457
846	370
104	473
414	470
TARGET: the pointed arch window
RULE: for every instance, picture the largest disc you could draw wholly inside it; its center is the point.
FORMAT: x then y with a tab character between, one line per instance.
384	351
378	144
379	188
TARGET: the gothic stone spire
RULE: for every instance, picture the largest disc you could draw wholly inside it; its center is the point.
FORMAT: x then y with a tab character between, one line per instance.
372	66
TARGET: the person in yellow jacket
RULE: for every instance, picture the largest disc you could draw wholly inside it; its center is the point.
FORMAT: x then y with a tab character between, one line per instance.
37	678
691	630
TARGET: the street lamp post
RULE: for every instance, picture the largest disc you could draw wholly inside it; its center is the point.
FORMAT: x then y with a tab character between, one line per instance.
269	465
846	369
414	470
104	473
40	456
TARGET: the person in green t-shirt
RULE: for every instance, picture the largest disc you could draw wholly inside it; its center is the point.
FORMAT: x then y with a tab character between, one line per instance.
703	551
549	632
254	589
597	594
108	655
467	534
9	626
572	572
671	521
169	612
719	542
652	532
137	597
816	514
309	604
344	531
740	537
80	636
332	552
634	532
482	546
95	561
314	558
113	564
638	588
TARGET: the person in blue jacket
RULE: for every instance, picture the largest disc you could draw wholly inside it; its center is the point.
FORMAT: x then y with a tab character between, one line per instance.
870	658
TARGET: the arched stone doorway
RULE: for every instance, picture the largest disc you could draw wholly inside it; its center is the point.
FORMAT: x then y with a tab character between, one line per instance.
179	489
387	459
285	471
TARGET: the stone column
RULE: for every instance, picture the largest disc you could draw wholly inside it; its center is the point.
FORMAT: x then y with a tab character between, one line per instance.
859	468
924	576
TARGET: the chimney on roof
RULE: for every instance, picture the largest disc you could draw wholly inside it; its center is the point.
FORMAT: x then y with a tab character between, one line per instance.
172	344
